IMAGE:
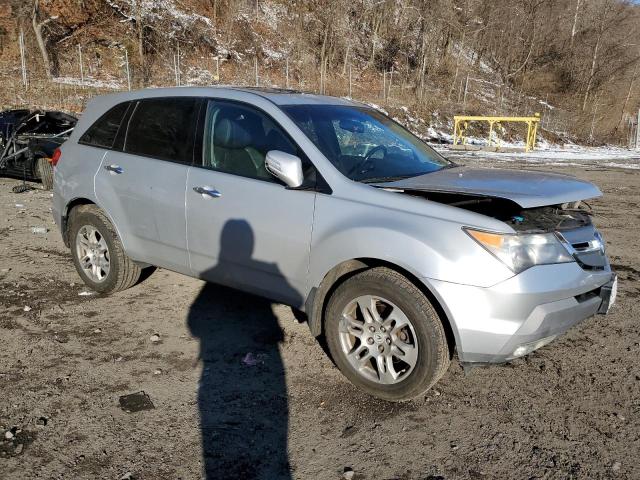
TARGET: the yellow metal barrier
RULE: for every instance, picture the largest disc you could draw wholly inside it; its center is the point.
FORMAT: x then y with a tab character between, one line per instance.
461	123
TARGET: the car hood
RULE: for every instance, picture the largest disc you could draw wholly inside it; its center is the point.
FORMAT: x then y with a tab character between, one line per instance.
528	189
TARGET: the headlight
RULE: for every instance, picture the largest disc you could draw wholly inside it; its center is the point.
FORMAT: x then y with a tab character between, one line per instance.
522	251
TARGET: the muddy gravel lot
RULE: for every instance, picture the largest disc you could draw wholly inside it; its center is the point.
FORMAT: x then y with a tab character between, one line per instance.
237	383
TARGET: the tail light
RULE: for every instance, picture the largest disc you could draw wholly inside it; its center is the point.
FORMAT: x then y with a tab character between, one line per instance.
57	153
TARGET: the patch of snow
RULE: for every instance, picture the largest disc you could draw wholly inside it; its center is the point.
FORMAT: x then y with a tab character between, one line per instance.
554	155
198	76
156	11
273	54
89	82
375	106
271	13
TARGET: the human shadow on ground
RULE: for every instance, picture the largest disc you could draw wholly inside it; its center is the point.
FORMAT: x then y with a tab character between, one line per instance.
242	394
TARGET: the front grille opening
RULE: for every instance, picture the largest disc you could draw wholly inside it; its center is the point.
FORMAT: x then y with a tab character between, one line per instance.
583	297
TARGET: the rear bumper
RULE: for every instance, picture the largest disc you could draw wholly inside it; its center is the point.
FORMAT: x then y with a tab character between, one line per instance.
523	313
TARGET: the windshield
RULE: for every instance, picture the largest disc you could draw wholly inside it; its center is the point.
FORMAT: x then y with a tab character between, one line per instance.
364	144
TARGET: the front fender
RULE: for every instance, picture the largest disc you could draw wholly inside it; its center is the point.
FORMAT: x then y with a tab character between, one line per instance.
429	247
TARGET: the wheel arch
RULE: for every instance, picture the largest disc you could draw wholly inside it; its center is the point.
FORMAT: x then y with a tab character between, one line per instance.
39	154
318	298
76	202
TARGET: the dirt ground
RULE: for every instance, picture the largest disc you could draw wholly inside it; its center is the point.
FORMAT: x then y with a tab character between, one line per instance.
245	379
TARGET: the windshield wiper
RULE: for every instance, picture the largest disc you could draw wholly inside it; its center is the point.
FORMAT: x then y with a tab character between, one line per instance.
385	179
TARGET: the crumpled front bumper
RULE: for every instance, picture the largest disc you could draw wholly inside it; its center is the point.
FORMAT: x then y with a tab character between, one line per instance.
525	312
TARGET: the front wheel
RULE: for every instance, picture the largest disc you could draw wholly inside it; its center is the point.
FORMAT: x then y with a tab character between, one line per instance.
385	336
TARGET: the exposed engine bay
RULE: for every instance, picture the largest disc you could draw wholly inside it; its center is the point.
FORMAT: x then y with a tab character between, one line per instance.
567	216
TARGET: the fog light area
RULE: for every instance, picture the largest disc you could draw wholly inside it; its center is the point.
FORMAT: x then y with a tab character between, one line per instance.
527	348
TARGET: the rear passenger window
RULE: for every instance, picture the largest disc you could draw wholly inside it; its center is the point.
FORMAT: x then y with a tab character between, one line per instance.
163	128
103	132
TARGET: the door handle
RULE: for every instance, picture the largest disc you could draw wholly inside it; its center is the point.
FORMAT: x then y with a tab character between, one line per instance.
114	168
212	192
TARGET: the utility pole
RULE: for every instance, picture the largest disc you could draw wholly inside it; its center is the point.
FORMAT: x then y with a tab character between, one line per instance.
350	90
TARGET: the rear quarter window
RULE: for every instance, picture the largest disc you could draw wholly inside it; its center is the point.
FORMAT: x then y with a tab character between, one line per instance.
103	132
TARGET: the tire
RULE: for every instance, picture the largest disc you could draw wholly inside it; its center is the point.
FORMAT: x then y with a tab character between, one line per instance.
45	172
389	291
122	272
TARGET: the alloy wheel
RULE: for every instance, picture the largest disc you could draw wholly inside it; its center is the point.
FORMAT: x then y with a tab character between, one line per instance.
93	253
378	339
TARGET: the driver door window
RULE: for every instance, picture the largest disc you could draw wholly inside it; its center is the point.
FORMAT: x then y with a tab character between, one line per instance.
237	139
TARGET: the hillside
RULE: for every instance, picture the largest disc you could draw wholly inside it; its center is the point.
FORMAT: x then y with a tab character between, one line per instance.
573	61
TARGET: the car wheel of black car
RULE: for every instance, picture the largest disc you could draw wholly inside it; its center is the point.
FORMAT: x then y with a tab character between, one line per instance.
97	252
385	336
45	172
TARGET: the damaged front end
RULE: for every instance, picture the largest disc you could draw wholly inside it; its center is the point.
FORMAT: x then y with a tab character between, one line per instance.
569	223
545	228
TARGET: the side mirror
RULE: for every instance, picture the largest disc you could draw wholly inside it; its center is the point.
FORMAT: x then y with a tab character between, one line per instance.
285	167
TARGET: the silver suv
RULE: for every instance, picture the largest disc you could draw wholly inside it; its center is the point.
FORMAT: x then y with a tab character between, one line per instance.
396	255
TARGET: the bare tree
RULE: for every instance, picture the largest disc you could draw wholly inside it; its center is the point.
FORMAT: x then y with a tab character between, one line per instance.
513	52
575	22
50	67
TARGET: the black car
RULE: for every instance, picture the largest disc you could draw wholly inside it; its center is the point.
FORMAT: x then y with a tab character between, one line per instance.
28	139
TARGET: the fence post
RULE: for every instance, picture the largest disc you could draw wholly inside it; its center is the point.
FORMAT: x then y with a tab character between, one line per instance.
23	62
81	68
464	99
255	59
178	63
638	132
287	72
126	60
384	85
175	69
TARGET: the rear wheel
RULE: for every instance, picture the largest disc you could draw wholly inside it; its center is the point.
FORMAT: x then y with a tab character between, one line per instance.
385	336
45	172
97	252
